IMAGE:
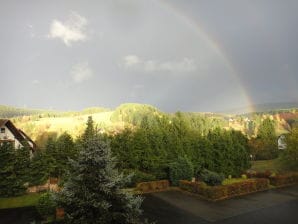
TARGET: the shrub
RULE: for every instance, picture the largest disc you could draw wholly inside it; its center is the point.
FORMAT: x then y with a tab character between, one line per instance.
244	176
265	174
215	193
211	178
139	176
182	169
153	186
284	180
46	205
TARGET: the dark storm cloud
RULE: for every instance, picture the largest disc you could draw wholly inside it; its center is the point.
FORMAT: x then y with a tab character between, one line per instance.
259	38
74	54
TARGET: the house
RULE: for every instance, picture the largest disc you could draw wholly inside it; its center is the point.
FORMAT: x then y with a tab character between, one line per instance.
281	142
9	133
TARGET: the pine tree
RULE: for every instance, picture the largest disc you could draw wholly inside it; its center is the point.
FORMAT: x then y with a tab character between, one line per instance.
93	192
65	150
39	168
90	131
10	185
22	164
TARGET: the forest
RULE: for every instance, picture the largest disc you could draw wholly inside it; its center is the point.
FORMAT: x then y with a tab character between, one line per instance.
152	145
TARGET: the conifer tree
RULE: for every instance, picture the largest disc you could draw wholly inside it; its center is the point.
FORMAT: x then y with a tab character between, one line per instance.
39	168
93	192
22	164
10	185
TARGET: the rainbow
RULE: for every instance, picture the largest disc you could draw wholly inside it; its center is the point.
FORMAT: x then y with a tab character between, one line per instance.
196	27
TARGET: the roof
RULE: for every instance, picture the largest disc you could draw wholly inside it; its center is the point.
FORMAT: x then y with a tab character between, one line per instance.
27	138
3	121
18	134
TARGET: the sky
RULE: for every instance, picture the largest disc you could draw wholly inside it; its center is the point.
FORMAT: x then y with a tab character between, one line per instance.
187	55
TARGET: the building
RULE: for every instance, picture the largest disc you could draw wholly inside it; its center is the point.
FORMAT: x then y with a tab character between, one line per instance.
281	142
9	133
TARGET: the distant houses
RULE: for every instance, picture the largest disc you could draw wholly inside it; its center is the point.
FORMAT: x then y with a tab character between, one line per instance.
9	133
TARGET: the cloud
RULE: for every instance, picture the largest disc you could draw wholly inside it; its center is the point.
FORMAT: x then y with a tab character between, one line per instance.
134	62
136	90
131	60
81	72
35	82
70	31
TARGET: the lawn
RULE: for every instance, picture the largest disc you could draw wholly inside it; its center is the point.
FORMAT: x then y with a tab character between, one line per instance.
21	201
266	165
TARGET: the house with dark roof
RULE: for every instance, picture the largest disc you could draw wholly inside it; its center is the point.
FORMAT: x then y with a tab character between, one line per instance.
9	133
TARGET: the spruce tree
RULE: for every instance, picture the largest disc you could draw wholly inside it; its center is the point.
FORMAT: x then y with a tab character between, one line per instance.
93	192
10	184
22	164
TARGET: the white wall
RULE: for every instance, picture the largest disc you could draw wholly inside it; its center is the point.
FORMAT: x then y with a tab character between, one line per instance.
9	136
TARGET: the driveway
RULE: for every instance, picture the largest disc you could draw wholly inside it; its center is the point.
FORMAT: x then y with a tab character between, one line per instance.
274	206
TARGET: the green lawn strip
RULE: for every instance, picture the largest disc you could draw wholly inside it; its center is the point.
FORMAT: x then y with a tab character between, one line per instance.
20	201
266	165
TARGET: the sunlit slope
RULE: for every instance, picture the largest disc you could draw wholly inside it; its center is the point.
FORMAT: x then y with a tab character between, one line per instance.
74	125
42	126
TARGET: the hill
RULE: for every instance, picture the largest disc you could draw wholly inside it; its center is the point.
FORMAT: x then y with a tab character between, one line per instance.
10	112
261	108
42	124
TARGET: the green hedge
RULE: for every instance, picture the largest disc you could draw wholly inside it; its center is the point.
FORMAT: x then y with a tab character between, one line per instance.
284	180
153	186
215	193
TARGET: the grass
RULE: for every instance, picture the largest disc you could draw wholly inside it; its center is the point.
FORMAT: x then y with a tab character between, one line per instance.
232	181
266	165
20	201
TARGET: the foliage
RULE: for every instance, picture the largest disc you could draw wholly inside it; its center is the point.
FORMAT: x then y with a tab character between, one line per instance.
46	205
289	156
153	146
152	186
93	192
265	145
182	169
39	169
215	193
138	177
11	180
211	178
284	180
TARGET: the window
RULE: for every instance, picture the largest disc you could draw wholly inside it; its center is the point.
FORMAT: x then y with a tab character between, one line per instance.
2	130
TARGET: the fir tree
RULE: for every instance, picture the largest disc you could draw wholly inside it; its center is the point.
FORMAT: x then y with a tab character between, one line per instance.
39	168
93	192
10	184
22	164
90	130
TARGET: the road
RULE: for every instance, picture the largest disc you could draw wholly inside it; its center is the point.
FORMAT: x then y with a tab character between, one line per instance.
175	207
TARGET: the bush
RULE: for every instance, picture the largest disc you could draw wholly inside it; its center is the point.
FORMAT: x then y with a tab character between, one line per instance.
284	180
46	205
153	186
215	193
211	178
182	169
138	177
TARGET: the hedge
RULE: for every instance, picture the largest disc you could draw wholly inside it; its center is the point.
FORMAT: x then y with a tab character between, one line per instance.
221	192
265	174
284	180
152	186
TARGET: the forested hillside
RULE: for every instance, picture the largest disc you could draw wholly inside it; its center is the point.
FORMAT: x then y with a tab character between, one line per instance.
40	124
